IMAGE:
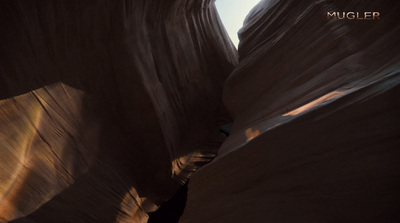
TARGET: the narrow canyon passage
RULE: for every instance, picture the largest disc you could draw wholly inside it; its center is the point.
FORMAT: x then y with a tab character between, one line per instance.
147	111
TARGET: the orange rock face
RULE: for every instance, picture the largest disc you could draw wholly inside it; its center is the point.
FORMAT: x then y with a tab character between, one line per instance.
106	108
316	130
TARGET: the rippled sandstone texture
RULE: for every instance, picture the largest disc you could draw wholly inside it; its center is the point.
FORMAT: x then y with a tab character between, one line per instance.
106	107
316	130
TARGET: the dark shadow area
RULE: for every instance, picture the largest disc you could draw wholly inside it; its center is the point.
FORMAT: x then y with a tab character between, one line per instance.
226	129
171	210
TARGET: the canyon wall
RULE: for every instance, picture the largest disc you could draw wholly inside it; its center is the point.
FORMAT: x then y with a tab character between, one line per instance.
106	107
316	128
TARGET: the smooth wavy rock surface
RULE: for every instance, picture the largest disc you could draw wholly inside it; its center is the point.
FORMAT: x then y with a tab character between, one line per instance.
106	107
316	130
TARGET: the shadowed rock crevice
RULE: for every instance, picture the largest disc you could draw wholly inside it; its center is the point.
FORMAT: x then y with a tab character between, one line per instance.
171	210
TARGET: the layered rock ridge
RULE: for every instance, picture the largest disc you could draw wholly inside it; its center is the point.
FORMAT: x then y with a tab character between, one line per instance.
106	107
316	131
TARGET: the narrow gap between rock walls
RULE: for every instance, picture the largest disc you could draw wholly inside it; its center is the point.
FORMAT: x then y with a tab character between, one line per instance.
232	14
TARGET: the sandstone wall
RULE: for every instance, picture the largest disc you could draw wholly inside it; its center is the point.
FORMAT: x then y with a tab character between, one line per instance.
106	107
316	130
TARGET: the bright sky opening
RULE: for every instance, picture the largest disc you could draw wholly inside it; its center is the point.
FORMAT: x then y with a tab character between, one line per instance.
233	13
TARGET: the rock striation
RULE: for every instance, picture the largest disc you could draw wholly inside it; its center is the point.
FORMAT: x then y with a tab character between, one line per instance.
316	130
106	107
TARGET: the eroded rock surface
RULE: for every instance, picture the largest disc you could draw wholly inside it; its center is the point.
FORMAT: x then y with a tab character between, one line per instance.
316	130
106	107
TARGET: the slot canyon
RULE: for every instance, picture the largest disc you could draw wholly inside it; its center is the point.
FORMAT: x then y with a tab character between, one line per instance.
110	108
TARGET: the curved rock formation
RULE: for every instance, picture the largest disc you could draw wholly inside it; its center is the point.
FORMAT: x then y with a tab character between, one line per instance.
106	107
316	131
